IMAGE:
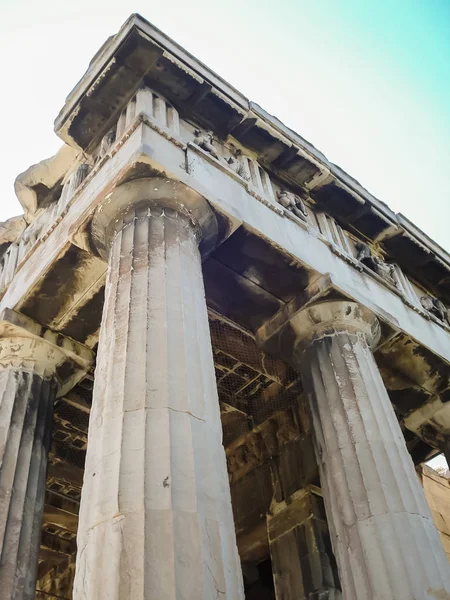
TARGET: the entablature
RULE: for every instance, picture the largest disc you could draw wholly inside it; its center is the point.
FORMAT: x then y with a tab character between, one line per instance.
207	164
142	56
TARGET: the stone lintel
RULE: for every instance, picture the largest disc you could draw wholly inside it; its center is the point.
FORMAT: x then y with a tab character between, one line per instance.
431	420
25	343
234	206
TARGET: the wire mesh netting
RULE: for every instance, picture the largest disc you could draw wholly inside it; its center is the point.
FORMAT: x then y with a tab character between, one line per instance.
248	379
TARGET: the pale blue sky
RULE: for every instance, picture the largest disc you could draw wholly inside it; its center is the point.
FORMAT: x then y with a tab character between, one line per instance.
368	83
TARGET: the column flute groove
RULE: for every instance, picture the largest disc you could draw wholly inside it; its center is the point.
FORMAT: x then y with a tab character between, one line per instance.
155	425
29	382
383	536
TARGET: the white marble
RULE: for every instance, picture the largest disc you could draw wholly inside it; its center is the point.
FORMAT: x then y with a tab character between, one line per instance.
156	520
383	536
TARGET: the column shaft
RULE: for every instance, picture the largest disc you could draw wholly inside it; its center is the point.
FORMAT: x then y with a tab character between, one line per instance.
26	402
156	520
385	542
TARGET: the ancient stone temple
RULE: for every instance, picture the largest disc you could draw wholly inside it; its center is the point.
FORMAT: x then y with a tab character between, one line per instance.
222	360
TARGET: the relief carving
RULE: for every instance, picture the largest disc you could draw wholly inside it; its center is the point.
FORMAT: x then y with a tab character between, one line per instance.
293	203
366	257
11	230
235	164
436	308
205	141
44	219
10	233
106	143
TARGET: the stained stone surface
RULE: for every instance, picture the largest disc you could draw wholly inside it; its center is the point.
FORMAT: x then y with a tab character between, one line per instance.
383	536
26	402
301	562
156	520
290	225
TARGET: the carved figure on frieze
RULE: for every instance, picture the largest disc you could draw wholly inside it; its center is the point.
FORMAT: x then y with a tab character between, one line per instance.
293	203
43	221
205	141
11	230
30	236
366	257
436	308
385	270
236	165
106	143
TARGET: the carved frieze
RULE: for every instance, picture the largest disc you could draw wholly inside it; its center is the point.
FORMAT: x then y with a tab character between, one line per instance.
366	257
436	308
293	203
235	164
106	143
205	141
44	218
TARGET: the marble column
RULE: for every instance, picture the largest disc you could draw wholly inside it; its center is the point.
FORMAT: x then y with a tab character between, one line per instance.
156	520
383	536
29	382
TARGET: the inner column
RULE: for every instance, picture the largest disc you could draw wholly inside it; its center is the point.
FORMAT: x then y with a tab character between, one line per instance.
155	520
384	539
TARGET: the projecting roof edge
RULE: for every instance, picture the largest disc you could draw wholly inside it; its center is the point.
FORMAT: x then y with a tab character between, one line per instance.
423	238
106	55
109	49
335	170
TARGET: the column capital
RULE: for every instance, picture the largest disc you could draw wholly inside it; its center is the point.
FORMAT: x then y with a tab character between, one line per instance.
317	312
24	344
153	197
333	316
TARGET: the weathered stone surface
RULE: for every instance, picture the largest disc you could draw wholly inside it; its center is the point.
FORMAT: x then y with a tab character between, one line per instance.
437	493
11	230
34	366
146	107
301	561
26	401
385	542
155	520
32	185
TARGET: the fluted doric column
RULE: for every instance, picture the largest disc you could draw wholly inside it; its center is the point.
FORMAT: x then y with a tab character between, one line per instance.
155	520
384	539
29	381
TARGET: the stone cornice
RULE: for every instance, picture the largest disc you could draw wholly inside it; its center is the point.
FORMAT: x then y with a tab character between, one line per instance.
141	53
